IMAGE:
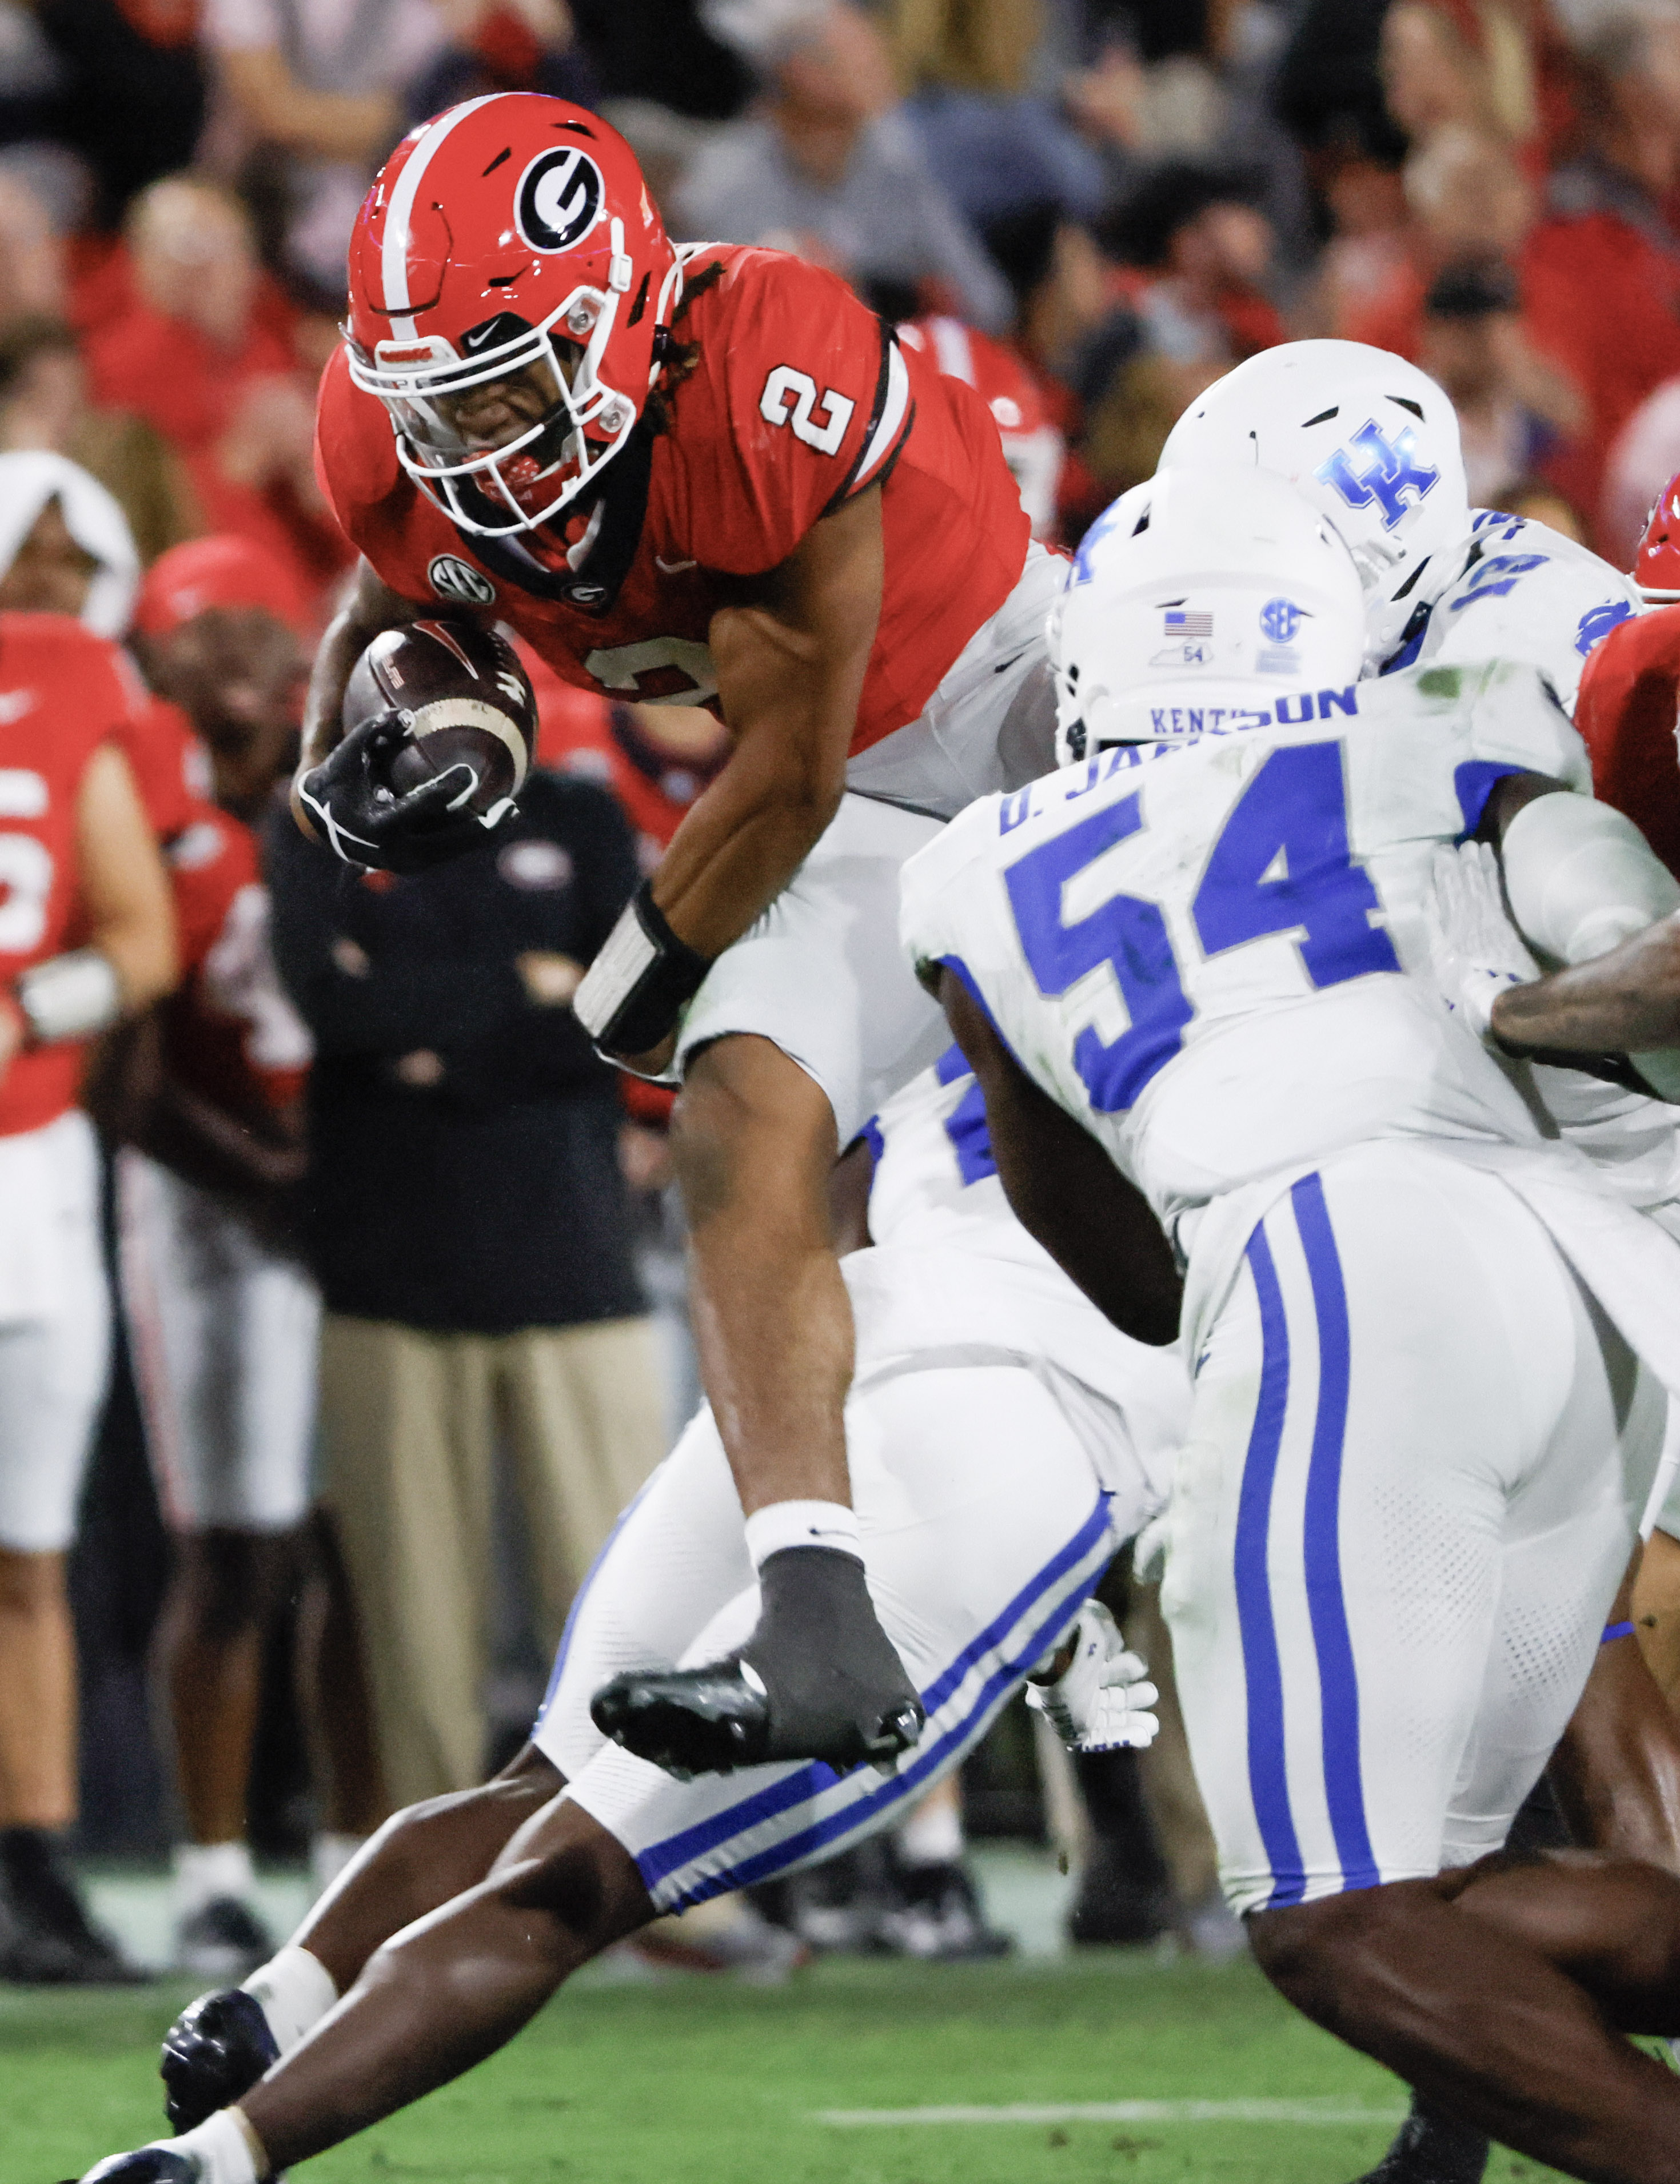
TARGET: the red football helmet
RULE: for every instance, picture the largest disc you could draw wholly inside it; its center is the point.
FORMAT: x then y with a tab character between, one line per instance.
508	279
1657	565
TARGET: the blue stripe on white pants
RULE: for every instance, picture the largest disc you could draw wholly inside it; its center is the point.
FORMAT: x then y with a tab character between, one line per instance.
1268	1776
1326	1604
1337	1693
714	1856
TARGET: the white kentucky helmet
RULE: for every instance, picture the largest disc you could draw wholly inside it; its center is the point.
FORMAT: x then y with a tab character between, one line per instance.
1368	438
1198	602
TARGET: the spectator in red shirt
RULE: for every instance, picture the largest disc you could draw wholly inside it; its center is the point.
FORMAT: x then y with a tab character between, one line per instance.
1602	272
202	351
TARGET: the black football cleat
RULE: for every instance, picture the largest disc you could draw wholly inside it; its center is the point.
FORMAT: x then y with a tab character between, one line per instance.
689	1721
147	2164
1431	2149
214	2053
818	1680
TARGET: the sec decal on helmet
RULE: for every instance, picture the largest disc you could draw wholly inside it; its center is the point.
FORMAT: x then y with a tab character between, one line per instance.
510	283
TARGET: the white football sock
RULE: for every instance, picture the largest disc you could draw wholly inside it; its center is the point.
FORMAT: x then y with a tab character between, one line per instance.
225	2147
206	1871
296	1991
802	1524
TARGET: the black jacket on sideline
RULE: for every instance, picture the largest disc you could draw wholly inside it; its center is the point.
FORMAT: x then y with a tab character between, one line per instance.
464	1170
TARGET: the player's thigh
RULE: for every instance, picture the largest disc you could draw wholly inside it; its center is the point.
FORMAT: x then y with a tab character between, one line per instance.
984	1529
1385	1376
52	1378
1569	1532
677	1553
821	975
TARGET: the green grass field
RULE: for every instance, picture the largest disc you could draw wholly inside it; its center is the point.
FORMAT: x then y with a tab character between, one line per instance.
721	2083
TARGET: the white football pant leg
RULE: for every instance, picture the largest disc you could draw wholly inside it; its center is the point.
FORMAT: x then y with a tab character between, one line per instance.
984	1528
225	1333
54	1368
821	975
1417	1464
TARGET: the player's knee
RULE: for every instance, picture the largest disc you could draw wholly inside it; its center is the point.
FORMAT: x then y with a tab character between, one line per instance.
581	1878
30	1584
1316	1953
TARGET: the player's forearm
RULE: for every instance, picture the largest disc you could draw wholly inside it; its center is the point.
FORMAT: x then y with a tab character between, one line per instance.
370	607
1625	1002
740	844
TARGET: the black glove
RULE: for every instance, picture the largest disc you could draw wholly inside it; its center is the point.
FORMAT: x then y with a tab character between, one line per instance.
147	2164
214	2053
364	823
817	1680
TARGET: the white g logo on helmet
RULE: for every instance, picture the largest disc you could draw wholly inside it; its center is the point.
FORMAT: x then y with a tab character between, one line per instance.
560	196
1369	439
1198	601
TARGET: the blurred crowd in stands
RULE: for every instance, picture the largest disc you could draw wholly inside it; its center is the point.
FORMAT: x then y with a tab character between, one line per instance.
1090	209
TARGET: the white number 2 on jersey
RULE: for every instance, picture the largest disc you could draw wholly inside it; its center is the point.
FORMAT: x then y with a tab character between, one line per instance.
789	398
25	887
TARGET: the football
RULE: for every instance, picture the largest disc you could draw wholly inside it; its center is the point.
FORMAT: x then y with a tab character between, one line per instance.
470	699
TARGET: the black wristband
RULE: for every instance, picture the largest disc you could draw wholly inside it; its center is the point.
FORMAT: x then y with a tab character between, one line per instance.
636	986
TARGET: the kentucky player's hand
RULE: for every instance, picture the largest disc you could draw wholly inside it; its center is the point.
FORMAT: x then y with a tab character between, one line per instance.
1474	949
1098	1696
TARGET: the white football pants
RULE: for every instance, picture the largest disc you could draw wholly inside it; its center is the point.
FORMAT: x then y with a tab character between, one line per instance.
1417	1459
984	1526
225	1333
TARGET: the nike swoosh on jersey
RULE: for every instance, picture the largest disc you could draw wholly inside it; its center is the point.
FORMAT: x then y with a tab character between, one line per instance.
673	568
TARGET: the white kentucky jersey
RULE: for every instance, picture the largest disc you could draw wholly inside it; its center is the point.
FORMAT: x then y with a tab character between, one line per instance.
1213	953
952	1273
1523	593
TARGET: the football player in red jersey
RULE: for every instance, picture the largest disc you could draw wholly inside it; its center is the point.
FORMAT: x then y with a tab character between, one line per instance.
85	935
710	474
205	1095
1630	693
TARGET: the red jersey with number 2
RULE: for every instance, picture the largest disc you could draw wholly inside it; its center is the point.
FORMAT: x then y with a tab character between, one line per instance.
62	695
799	399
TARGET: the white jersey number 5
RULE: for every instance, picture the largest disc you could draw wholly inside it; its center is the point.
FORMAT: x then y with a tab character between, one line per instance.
26	889
790	397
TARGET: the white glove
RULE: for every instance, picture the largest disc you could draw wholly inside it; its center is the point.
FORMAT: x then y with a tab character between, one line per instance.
1475	950
1101	1701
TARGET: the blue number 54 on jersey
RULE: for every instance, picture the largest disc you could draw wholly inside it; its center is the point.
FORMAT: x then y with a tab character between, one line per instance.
1280	864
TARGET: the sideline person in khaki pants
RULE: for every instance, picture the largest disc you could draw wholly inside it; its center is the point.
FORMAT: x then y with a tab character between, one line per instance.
411	1422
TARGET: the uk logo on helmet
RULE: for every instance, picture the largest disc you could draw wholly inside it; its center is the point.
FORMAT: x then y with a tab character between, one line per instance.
452	578
560	196
1390	472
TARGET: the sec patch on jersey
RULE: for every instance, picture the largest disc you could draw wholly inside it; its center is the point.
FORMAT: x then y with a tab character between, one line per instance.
469	702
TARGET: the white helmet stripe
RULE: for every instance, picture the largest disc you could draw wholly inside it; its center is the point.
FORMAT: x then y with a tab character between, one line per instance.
394	249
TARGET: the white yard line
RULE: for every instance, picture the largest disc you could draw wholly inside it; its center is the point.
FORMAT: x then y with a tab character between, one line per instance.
1289	2111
